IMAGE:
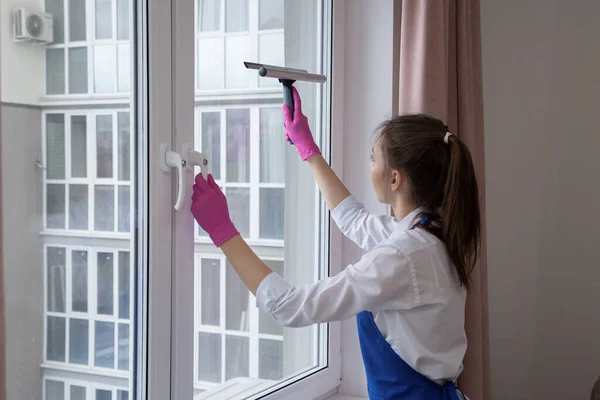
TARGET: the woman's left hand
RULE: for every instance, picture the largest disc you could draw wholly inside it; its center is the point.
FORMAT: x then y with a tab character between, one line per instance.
209	207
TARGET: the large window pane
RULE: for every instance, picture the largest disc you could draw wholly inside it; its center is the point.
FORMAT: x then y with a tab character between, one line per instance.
236	15
210	63
57	9
104	146
270	14
104	353
78	393
78	75
124	347
57	279
103	394
123	7
77	20
209	357
123	70
238	145
238	200
270	51
209	15
79	282
211	140
105	283
105	69
272	146
237	50
55	206
210	277
55	146
103	19
78	146
271	213
78	207
55	341
237	360
124	211
271	359
124	284
104	212
124	135
55	71
55	390
78	341
237	302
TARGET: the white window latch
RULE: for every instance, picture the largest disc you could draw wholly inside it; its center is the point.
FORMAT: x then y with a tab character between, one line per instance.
171	159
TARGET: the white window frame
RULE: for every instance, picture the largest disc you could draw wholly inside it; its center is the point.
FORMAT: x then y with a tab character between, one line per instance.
170	119
90	44
91	316
90	180
90	387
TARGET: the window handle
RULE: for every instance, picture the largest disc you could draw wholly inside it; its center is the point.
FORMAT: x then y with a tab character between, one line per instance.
195	158
171	159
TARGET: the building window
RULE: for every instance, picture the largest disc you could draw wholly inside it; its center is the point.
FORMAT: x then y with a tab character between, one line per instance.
91	53
233	338
88	174
88	307
71	389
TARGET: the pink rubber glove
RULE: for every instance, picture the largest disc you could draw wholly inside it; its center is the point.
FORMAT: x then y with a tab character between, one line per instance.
297	129
209	207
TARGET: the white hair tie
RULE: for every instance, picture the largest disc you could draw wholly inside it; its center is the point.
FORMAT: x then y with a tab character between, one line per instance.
448	134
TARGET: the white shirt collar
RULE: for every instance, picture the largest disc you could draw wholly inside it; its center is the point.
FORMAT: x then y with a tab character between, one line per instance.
408	222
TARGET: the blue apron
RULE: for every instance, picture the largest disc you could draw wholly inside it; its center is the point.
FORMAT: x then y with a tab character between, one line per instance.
388	376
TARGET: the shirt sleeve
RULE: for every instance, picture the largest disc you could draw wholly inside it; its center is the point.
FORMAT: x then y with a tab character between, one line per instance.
364	229
381	280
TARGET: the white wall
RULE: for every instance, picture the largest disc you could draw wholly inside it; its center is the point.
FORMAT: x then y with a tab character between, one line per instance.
542	101
21	65
368	100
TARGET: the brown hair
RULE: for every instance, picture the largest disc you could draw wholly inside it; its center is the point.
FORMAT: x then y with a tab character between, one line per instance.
443	183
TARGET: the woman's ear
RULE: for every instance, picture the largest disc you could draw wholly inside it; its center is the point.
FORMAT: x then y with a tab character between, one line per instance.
396	180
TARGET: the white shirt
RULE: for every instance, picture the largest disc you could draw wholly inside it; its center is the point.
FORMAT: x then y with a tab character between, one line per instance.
406	280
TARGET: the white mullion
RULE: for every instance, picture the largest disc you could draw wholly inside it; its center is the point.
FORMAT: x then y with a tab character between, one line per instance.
254	139
68	288
223	314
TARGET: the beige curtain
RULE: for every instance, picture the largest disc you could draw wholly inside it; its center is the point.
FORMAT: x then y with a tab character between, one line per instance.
440	74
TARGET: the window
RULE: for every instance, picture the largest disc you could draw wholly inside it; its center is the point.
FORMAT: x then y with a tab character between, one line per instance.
88	181
91	51
111	293
271	195
88	324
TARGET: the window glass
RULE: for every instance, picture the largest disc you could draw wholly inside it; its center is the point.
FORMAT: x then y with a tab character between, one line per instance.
239	126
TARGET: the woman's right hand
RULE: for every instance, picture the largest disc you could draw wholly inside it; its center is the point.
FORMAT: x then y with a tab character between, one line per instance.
297	129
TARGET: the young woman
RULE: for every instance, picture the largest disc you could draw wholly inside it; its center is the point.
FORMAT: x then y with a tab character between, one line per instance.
408	291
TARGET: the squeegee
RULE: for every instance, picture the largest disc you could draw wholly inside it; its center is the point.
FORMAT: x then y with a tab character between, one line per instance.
287	77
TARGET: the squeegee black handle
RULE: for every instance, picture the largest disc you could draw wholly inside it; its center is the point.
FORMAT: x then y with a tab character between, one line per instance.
288	97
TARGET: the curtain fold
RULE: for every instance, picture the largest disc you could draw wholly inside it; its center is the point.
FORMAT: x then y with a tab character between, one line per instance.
440	74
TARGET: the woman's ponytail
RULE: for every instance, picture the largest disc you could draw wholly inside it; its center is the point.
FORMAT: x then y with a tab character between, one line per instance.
459	210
